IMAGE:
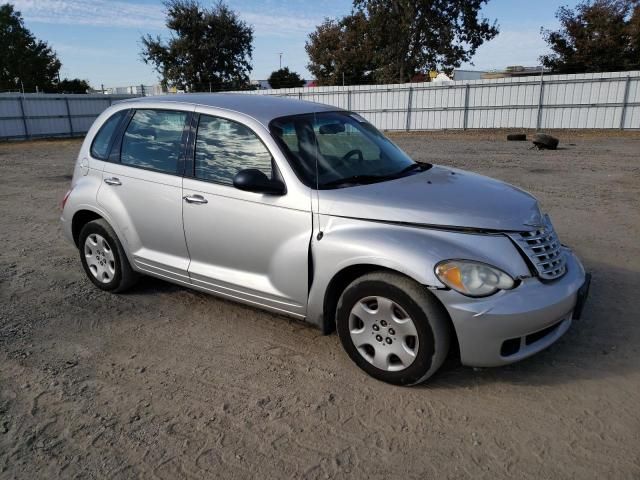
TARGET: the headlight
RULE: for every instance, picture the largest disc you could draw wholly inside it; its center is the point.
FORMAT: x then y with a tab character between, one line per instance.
473	278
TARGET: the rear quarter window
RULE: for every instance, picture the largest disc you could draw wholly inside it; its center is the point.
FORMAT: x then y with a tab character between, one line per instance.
103	140
153	140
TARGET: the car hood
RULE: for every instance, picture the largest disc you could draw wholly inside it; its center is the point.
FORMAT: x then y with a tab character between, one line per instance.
439	196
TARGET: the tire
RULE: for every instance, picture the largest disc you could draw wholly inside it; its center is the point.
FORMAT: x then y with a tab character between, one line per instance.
517	137
369	297
103	258
544	141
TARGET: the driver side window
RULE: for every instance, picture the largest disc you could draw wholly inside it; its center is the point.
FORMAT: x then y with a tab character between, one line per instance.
224	147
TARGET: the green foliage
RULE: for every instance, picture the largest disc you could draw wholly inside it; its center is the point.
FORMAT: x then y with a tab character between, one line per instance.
390	41
284	78
24	60
596	36
342	51
74	85
210	48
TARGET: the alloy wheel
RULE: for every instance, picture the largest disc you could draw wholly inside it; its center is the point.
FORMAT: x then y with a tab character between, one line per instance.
100	259
383	333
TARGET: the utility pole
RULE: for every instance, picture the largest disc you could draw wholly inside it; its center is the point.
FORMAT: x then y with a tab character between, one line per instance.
280	60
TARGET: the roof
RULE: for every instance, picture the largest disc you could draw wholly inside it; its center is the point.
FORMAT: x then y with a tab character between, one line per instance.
262	108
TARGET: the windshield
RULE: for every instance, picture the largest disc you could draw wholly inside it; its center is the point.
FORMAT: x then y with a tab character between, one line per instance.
339	149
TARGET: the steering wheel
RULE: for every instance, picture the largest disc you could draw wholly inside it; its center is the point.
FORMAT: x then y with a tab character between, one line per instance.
353	152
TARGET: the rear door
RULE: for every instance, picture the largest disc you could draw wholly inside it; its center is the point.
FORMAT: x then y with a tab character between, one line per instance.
243	245
142	191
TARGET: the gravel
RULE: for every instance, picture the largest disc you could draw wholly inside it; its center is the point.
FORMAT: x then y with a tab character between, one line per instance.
166	382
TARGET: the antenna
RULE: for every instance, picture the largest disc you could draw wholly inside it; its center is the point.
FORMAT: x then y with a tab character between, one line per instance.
315	141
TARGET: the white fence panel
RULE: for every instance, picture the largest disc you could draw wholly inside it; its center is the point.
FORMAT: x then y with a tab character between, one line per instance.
602	101
50	115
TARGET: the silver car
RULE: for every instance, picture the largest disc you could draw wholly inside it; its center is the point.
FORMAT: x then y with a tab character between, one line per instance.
309	211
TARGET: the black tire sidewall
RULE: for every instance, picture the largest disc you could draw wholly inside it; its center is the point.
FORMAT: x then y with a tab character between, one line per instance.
96	227
547	141
421	365
517	137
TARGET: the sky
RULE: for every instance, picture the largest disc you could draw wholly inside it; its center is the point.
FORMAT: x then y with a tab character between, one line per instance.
99	40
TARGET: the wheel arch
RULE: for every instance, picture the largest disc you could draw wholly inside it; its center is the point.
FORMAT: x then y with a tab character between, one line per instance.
345	276
80	219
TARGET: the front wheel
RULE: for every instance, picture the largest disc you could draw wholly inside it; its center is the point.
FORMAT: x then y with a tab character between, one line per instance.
393	328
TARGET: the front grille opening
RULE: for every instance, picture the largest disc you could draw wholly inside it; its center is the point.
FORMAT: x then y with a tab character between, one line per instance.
534	337
510	347
543	250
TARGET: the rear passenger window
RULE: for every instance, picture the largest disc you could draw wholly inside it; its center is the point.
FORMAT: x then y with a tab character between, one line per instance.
224	147
153	140
102	141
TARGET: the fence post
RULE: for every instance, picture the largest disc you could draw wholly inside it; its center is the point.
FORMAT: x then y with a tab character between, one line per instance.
625	100
66	101
465	117
408	125
24	117
540	98
349	100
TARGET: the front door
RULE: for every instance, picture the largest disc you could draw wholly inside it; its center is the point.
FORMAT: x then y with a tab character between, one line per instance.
247	246
142	192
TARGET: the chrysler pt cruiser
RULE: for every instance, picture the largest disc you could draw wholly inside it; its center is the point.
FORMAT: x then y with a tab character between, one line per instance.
307	210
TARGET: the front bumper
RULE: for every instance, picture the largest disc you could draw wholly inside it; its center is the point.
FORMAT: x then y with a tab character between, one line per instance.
515	324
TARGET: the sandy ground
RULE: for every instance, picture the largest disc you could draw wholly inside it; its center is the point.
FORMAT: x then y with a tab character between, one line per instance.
164	382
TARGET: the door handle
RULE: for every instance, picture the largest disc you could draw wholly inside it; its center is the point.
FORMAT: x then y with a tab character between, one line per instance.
199	199
112	181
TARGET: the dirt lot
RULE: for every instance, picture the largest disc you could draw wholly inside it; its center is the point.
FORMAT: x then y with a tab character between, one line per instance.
165	382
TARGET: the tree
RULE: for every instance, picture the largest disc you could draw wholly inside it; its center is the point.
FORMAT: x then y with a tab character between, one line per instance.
342	51
25	61
285	78
75	85
210	48
419	35
392	40
598	36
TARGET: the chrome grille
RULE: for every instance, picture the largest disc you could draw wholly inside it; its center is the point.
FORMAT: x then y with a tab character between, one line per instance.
543	248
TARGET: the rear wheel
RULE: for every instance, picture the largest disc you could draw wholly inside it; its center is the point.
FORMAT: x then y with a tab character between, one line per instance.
103	257
393	328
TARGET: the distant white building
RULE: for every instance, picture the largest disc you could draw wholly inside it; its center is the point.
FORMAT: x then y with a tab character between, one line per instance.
145	90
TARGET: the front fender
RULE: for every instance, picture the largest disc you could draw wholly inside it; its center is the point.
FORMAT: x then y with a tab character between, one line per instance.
412	251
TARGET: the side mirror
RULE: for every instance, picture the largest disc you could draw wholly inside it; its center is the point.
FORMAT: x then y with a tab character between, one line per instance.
253	180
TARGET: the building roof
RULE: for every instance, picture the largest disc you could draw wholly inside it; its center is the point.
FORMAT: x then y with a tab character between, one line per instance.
262	108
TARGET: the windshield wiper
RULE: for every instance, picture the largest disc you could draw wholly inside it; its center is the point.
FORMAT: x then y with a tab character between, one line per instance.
355	180
364	179
413	166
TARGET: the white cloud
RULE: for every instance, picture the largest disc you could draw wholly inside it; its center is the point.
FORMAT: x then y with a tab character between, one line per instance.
278	25
113	13
101	13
